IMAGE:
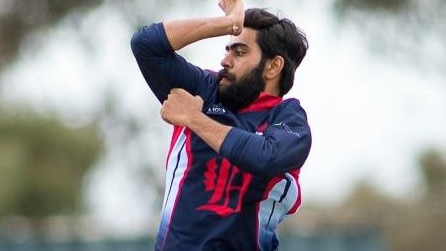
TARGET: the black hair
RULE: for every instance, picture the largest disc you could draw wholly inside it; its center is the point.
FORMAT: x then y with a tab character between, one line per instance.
281	37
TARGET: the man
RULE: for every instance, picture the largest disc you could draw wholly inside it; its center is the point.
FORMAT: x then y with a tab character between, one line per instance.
237	146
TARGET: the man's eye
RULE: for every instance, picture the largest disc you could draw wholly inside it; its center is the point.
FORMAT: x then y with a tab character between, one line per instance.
239	53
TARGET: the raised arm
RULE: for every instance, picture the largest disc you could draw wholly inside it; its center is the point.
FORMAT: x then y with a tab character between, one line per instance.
154	48
184	32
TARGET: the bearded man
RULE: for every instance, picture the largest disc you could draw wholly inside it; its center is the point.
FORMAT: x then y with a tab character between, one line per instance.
237	146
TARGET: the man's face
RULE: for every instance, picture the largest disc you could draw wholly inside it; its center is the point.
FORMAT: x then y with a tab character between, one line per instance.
241	79
238	94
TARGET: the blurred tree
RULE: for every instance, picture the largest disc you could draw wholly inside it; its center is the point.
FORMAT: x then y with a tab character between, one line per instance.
42	161
426	216
366	200
20	22
20	18
404	30
415	224
372	5
42	164
433	165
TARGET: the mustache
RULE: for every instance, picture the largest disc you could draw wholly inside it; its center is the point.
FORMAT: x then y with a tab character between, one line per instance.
224	73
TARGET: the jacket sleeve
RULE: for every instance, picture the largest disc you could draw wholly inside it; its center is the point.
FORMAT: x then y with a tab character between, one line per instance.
162	68
283	147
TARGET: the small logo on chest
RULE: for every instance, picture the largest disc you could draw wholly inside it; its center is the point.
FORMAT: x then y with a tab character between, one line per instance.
216	109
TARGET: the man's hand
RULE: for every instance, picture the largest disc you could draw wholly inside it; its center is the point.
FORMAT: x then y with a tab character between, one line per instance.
235	10
182	109
180	106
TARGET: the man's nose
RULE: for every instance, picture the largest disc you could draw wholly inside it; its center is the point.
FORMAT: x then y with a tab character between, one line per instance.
226	62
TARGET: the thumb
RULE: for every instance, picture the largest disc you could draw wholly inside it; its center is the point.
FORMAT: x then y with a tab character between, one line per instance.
222	5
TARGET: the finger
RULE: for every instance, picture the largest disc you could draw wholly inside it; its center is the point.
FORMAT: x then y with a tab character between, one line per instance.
199	98
162	114
181	93
236	30
165	102
176	90
222	5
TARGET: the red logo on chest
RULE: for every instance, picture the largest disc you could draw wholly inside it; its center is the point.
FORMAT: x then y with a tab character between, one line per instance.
228	186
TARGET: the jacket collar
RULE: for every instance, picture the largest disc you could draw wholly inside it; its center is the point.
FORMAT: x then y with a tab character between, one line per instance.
265	101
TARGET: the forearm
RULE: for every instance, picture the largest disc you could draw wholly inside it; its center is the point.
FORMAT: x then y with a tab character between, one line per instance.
266	155
184	32
209	130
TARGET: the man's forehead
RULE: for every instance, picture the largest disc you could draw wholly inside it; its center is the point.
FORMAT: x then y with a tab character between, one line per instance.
247	39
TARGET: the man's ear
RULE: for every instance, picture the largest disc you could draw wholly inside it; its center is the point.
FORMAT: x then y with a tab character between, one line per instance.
273	67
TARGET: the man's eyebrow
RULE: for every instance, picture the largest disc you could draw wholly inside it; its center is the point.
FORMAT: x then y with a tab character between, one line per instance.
236	45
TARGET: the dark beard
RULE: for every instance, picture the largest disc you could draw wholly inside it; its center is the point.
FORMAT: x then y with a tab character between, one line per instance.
239	94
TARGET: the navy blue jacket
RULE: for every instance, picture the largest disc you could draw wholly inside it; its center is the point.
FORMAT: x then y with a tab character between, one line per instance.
234	199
